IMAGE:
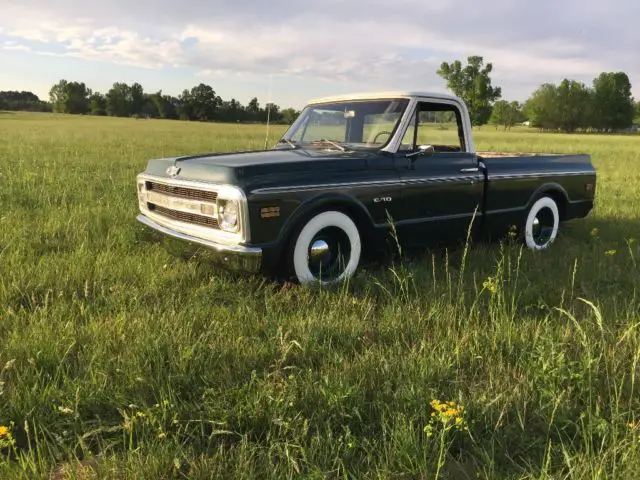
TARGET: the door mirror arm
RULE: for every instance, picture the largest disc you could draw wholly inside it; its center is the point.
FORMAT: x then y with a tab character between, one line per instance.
422	151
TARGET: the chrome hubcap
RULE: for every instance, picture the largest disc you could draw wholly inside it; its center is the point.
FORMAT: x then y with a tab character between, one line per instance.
329	253
319	251
542	227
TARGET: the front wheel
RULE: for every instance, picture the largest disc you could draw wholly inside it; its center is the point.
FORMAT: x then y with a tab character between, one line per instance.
326	250
543	221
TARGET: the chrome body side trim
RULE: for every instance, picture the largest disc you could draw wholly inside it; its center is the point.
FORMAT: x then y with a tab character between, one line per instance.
235	257
502	176
401	182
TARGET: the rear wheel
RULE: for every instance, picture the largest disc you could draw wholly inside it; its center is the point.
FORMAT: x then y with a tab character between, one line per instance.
542	223
326	250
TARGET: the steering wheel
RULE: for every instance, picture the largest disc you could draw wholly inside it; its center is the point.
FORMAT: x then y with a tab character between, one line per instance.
380	133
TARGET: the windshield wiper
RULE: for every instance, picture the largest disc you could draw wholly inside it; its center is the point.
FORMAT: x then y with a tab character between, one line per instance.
335	144
286	140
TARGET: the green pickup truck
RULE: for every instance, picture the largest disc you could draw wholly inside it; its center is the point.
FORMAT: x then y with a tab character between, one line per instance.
351	172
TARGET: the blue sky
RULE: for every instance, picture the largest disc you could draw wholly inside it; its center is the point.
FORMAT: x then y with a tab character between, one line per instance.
308	49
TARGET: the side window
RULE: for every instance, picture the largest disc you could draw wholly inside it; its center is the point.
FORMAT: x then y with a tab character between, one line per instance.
436	124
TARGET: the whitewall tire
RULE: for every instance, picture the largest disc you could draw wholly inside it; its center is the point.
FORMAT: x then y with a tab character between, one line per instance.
327	249
542	223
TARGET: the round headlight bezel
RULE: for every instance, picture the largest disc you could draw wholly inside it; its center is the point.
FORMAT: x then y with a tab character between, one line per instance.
229	215
231	198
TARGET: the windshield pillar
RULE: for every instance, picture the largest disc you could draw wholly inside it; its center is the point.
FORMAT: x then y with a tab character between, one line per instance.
354	129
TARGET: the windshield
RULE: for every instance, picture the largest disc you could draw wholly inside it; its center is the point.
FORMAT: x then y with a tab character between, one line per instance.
347	124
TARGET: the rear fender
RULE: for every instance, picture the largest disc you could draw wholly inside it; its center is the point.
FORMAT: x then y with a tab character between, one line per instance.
556	192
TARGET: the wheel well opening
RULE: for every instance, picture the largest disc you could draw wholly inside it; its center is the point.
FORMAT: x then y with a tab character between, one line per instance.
360	218
561	200
357	215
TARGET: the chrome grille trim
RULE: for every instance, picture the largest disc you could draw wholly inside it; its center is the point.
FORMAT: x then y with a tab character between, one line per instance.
195	223
185	216
182	192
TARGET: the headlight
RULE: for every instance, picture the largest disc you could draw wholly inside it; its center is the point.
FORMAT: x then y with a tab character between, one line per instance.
230	210
228	215
142	192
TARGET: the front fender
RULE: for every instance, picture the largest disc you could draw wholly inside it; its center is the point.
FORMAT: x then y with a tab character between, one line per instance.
309	207
325	201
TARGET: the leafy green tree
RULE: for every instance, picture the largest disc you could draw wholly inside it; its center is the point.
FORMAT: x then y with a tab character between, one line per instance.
253	110
289	115
137	98
542	107
574	99
231	111
563	107
162	106
637	119
613	102
272	111
97	104
119	100
70	97
472	83
149	108
506	114
199	103
22	101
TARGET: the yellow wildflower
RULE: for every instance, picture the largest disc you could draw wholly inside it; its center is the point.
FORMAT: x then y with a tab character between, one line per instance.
594	232
4	431
610	252
449	414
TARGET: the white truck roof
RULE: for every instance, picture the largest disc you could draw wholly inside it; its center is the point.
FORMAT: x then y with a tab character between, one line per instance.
384	94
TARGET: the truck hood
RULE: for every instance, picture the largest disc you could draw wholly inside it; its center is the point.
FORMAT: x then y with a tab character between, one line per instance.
253	168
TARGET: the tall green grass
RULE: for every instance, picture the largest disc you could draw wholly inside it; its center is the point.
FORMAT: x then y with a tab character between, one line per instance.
121	360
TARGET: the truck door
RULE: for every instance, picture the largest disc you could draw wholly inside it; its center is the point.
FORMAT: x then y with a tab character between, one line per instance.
442	185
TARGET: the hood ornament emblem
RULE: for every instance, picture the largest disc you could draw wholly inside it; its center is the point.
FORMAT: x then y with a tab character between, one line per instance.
173	171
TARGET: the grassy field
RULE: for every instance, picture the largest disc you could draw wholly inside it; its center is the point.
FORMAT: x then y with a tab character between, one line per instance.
119	360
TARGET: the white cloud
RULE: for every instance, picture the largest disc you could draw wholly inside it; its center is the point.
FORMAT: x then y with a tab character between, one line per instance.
374	43
15	46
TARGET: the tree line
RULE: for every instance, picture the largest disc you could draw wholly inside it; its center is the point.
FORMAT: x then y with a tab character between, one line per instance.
22	101
607	105
604	106
200	103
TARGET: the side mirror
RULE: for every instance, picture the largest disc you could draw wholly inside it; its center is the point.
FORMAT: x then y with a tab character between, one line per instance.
423	150
426	150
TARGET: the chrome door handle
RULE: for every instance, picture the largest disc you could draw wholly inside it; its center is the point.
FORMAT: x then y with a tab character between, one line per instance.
469	170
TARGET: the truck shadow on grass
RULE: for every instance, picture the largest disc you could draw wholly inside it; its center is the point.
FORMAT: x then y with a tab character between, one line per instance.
583	240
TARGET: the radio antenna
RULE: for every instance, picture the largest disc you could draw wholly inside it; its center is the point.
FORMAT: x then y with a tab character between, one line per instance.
266	139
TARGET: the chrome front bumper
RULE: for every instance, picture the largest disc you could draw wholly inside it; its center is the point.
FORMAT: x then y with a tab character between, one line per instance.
234	257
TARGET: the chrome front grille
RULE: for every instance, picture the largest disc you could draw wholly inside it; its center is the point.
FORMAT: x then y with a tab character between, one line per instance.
184	216
182	203
182	192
